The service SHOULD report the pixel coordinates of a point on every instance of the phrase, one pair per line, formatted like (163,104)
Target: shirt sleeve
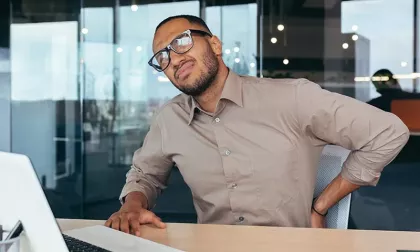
(373,136)
(150,168)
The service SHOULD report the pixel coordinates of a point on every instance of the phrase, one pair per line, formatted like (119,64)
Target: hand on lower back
(317,220)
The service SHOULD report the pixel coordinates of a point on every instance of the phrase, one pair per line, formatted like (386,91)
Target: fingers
(131,223)
(135,227)
(145,218)
(159,223)
(112,221)
(153,219)
(116,223)
(124,226)
(108,222)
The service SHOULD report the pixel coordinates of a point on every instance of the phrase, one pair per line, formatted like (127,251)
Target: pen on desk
(16,231)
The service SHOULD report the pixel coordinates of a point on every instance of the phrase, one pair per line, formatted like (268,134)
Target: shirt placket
(228,164)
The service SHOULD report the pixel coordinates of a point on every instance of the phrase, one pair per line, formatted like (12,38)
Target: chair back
(330,166)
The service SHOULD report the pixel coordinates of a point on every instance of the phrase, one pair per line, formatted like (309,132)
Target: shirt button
(227,152)
(241,219)
(234,186)
(217,119)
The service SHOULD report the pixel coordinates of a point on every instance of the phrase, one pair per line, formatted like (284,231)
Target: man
(248,148)
(390,90)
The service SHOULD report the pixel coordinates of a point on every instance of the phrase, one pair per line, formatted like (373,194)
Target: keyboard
(76,245)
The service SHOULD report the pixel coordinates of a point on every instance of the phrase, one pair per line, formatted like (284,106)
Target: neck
(209,99)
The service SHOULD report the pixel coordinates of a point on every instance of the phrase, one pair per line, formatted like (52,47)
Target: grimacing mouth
(185,62)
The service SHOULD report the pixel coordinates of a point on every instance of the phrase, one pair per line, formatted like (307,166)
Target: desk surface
(194,237)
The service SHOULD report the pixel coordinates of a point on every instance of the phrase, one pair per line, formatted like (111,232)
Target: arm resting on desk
(150,169)
(145,181)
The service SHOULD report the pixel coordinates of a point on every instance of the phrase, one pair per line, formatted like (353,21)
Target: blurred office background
(77,95)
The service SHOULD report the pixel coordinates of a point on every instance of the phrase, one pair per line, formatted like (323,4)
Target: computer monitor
(22,199)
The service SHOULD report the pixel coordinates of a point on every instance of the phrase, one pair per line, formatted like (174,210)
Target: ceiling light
(119,49)
(355,27)
(345,46)
(85,30)
(138,48)
(280,27)
(252,65)
(404,63)
(273,40)
(285,61)
(361,78)
(237,60)
(236,49)
(355,37)
(134,7)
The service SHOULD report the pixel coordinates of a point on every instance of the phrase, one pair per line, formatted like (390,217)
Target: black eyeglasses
(181,44)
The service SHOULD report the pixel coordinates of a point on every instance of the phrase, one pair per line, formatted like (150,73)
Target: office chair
(329,167)
(407,111)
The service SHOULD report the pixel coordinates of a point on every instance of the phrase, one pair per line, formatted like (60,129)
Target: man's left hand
(317,221)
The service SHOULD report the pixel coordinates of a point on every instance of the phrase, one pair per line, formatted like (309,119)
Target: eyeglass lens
(180,44)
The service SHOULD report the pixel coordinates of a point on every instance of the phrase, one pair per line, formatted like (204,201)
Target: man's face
(192,72)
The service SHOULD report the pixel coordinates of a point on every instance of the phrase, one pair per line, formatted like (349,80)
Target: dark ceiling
(62,10)
(311,8)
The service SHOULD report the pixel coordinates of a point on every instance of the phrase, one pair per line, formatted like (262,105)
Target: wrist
(136,198)
(319,207)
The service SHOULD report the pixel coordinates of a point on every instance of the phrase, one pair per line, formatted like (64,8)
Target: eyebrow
(170,41)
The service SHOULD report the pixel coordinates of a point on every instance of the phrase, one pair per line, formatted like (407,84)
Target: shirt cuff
(135,186)
(359,175)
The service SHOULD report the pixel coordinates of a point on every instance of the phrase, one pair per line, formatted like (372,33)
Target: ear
(216,45)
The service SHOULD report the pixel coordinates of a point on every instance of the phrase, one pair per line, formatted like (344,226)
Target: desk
(203,238)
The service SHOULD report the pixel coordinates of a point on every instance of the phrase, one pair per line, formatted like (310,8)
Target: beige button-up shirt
(255,160)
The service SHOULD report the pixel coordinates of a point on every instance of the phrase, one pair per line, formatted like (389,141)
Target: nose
(176,59)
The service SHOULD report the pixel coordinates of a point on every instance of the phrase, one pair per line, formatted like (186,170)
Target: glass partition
(45,105)
(239,42)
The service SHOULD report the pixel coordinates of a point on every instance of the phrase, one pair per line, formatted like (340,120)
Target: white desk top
(203,238)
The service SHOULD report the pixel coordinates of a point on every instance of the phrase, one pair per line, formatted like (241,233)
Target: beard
(206,78)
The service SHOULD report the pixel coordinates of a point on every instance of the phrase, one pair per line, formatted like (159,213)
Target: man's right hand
(129,218)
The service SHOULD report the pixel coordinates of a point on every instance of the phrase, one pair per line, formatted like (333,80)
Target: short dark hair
(383,72)
(192,19)
(384,84)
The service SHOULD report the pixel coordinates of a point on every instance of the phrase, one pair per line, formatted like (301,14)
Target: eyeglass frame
(169,48)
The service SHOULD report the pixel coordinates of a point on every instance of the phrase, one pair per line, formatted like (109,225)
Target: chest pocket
(270,147)
(198,159)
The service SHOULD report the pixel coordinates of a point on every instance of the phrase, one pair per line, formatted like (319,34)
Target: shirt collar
(193,107)
(232,91)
